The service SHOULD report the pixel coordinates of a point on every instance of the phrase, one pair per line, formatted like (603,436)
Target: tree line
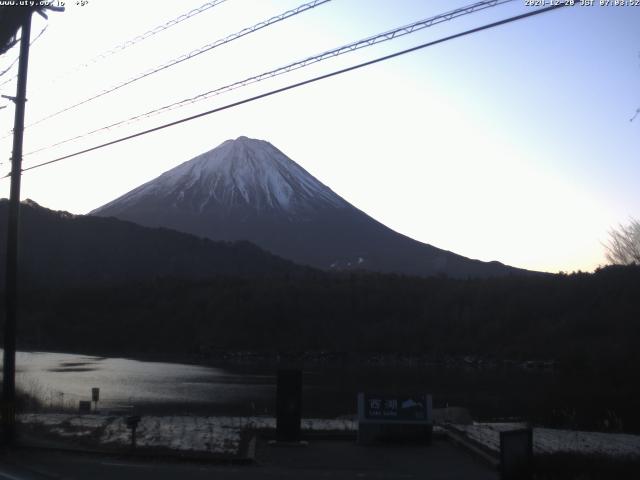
(582,320)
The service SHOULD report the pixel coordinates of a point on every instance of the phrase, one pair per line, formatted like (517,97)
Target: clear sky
(512,144)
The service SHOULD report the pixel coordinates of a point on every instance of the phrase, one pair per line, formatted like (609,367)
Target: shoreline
(239,358)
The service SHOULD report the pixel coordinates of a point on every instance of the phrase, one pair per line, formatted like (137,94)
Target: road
(335,460)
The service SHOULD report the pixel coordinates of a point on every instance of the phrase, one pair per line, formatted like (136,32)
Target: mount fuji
(247,189)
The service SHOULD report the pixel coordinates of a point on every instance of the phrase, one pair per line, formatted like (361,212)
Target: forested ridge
(93,284)
(581,320)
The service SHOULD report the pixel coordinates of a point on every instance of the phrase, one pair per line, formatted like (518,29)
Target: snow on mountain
(241,171)
(247,189)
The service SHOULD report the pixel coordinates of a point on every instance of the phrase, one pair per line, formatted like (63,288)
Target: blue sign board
(395,408)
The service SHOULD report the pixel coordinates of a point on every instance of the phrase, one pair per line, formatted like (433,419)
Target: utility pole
(11,279)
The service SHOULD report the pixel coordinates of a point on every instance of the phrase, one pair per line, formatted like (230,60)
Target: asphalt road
(335,460)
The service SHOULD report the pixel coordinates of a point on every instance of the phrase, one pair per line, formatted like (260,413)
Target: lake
(64,379)
(159,387)
(175,388)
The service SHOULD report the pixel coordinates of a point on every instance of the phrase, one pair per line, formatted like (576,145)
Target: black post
(132,423)
(133,436)
(289,405)
(11,287)
(516,454)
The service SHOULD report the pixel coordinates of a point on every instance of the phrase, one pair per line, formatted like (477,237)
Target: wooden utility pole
(11,279)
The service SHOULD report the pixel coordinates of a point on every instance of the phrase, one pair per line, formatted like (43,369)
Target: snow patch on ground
(552,441)
(216,435)
(196,434)
(223,435)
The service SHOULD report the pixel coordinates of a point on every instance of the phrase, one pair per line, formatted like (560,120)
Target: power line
(15,60)
(139,38)
(300,84)
(18,57)
(9,45)
(366,42)
(234,36)
(154,31)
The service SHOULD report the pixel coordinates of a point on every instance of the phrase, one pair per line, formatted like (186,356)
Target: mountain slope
(247,189)
(58,248)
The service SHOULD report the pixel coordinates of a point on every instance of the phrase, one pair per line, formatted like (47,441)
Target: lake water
(64,379)
(174,388)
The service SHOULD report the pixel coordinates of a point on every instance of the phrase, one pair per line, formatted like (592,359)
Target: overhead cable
(300,84)
(139,38)
(189,56)
(15,60)
(366,42)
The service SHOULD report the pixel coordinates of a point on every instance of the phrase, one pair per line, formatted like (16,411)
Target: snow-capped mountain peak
(243,171)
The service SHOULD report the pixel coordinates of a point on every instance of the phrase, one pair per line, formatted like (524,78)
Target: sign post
(132,424)
(95,396)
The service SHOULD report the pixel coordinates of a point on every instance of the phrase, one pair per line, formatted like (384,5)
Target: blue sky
(512,144)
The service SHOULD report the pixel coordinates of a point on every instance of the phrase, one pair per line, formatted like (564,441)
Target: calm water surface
(63,378)
(174,388)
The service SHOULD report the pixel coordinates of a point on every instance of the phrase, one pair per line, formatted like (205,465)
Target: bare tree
(623,247)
